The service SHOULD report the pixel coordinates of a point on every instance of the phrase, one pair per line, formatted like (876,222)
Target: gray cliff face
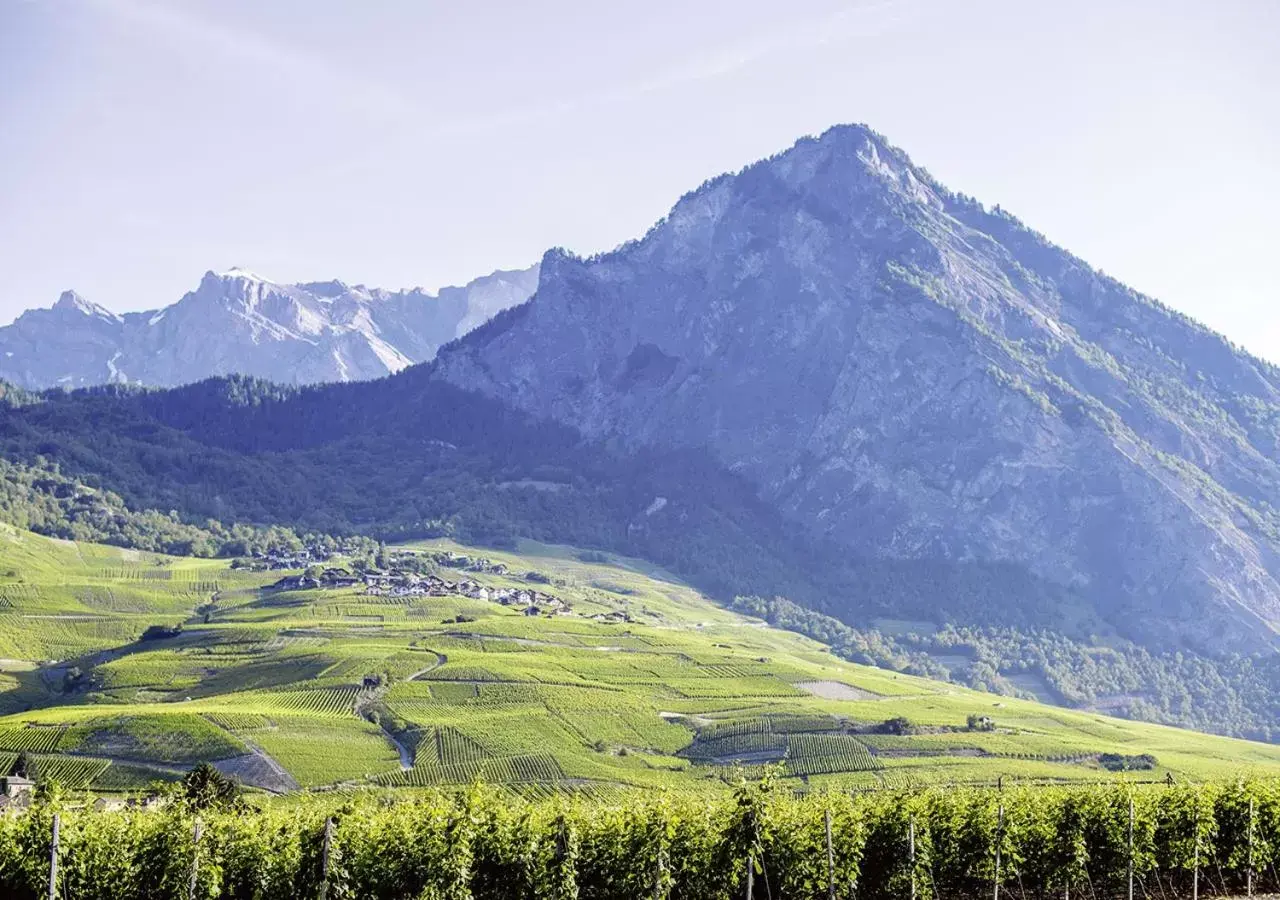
(239,322)
(919,378)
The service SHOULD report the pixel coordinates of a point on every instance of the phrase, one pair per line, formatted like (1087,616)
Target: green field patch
(133,777)
(32,738)
(73,772)
(443,745)
(324,752)
(169,669)
(239,721)
(167,738)
(820,754)
(265,672)
(461,692)
(451,672)
(1025,745)
(540,768)
(693,688)
(329,703)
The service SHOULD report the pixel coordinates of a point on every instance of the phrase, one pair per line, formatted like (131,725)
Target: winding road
(368,700)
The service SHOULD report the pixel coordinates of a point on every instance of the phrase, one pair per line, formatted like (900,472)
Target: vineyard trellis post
(751,874)
(326,849)
(1249,870)
(53,858)
(195,859)
(999,840)
(911,848)
(1131,845)
(831,859)
(1195,871)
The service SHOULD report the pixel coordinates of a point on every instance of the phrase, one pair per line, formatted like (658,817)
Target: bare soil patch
(836,690)
(258,770)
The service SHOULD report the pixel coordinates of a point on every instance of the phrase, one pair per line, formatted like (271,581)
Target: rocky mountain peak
(331,289)
(239,274)
(72,302)
(918,379)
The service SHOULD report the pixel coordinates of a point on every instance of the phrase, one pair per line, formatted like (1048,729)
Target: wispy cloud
(185,29)
(858,20)
(404,114)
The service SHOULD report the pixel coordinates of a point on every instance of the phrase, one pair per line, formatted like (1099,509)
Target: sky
(143,142)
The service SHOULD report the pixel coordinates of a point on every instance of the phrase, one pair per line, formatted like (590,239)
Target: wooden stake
(325,851)
(831,860)
(911,841)
(195,860)
(751,876)
(53,858)
(1130,847)
(1249,874)
(1195,875)
(999,840)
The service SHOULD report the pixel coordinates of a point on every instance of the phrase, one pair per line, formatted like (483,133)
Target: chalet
(337,577)
(15,786)
(329,578)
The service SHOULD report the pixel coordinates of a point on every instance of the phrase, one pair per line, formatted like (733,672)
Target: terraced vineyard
(641,682)
(31,738)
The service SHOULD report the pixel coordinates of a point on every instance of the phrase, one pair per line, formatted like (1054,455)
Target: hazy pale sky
(424,143)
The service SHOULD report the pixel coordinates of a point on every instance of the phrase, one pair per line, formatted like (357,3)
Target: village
(409,573)
(410,584)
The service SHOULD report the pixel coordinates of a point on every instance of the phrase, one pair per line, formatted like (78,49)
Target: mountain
(901,371)
(825,389)
(237,321)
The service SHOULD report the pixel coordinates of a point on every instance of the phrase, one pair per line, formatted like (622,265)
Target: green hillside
(627,677)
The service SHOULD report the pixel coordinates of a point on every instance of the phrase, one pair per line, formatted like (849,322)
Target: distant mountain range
(239,322)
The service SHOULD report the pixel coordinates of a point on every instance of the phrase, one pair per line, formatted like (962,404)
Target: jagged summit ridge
(906,372)
(70,301)
(240,321)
